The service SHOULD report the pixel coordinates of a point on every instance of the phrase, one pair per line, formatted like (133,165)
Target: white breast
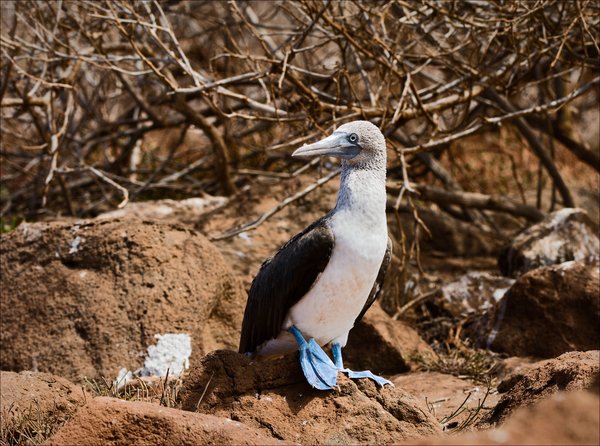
(329,309)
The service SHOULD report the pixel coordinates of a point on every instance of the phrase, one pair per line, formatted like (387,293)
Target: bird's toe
(379,380)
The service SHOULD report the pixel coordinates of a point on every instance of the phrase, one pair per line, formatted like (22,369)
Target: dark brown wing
(378,282)
(282,281)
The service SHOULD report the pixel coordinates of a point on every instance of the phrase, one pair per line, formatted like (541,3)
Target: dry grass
(452,423)
(31,426)
(163,391)
(463,362)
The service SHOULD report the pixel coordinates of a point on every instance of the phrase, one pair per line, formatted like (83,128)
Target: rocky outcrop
(571,371)
(274,397)
(89,298)
(564,235)
(110,421)
(35,404)
(548,311)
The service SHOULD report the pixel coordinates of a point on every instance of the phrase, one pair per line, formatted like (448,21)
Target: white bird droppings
(172,352)
(75,245)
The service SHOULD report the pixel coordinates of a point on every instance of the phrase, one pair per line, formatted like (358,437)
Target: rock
(564,418)
(508,371)
(274,397)
(382,344)
(564,235)
(473,293)
(35,404)
(548,311)
(110,421)
(444,394)
(186,211)
(570,371)
(89,298)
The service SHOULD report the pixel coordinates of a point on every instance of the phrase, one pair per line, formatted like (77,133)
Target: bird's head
(357,142)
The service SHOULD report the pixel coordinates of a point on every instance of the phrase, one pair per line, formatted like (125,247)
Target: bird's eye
(353,138)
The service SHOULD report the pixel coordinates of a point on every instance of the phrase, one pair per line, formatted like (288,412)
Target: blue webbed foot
(336,349)
(380,380)
(318,369)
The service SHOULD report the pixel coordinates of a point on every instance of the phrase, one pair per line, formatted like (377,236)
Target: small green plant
(7,224)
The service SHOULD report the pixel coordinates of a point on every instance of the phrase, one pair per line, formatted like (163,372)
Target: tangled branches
(103,101)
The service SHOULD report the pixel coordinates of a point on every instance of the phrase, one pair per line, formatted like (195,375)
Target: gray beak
(336,145)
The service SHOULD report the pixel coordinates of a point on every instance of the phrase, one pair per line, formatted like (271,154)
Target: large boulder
(88,298)
(548,311)
(570,371)
(274,397)
(564,235)
(110,421)
(33,405)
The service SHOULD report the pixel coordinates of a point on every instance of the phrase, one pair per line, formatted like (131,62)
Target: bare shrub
(235,86)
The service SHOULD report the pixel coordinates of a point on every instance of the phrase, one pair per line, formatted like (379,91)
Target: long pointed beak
(336,145)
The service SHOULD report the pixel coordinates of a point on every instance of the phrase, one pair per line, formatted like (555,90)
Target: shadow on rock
(383,345)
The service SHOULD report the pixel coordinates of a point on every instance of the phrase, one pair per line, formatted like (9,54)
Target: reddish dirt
(562,419)
(110,421)
(444,394)
(88,298)
(510,370)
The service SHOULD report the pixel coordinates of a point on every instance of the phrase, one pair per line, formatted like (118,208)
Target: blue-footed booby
(323,280)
